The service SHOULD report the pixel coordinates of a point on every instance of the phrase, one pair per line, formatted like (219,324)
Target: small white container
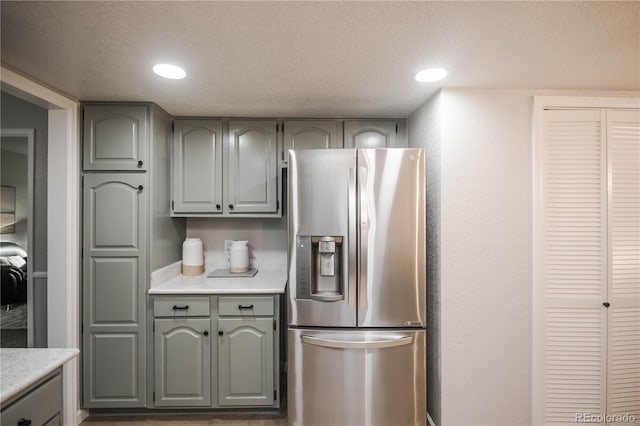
(192,257)
(237,253)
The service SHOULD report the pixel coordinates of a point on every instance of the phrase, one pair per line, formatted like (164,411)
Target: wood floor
(227,420)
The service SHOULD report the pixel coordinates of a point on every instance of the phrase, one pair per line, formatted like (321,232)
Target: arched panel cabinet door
(115,137)
(311,134)
(114,265)
(245,361)
(374,134)
(182,362)
(251,164)
(197,166)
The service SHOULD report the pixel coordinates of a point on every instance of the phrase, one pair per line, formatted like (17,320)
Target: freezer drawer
(356,377)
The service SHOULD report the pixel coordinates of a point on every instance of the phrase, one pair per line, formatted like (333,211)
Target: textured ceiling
(313,59)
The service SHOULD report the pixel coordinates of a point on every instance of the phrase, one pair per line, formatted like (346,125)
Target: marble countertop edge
(21,368)
(264,282)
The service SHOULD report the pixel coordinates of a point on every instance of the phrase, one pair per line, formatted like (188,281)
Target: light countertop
(20,368)
(264,282)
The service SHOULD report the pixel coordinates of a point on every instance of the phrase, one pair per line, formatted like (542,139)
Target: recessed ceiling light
(431,74)
(169,71)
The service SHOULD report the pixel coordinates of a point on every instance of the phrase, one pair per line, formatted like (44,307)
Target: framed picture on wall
(8,210)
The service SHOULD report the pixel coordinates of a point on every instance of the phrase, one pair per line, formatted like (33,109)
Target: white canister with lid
(192,257)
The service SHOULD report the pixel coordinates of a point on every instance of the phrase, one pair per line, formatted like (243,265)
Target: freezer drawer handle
(327,298)
(347,344)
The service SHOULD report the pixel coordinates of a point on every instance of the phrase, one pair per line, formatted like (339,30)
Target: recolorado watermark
(602,418)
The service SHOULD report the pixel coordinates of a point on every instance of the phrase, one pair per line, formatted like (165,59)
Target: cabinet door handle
(24,422)
(206,333)
(220,333)
(180,308)
(606,304)
(218,206)
(140,163)
(245,306)
(140,188)
(230,206)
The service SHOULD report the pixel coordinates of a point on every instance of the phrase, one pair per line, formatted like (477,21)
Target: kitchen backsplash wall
(267,240)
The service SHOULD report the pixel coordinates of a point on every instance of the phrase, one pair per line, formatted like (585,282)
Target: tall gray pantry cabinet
(127,232)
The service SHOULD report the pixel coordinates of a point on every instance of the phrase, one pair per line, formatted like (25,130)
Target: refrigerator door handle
(364,235)
(351,247)
(358,344)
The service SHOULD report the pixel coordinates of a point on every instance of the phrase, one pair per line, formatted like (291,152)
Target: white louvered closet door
(571,266)
(623,372)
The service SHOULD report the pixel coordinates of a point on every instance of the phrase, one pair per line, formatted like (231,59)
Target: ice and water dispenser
(319,268)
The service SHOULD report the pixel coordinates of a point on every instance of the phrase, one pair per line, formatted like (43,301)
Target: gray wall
(18,114)
(14,173)
(425,131)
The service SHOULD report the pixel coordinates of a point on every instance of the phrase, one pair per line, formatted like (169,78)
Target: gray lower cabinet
(311,134)
(247,343)
(182,362)
(245,361)
(375,133)
(41,405)
(216,351)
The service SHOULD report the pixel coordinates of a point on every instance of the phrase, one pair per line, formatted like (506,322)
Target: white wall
(486,277)
(267,240)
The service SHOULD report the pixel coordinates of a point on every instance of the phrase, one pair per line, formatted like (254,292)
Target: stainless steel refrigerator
(356,290)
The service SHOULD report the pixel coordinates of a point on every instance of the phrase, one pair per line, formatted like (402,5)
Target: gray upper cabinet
(114,263)
(115,137)
(311,134)
(183,362)
(251,167)
(197,166)
(374,134)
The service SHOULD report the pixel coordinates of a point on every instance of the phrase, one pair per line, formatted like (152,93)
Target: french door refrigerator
(356,289)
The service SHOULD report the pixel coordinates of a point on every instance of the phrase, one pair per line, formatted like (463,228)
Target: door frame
(63,225)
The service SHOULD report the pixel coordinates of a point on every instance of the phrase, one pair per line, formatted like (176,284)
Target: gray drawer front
(245,305)
(181,307)
(40,405)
